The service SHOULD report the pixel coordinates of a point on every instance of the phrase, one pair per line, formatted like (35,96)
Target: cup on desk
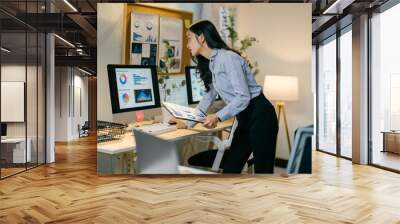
(139,115)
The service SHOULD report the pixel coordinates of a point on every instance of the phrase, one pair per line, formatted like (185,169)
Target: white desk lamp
(282,89)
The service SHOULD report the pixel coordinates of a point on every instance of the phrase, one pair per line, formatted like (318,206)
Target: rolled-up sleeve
(233,68)
(204,104)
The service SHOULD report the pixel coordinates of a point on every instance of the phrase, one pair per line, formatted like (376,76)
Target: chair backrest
(231,134)
(155,155)
(301,149)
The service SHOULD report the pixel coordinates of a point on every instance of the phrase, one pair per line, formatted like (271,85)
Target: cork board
(186,17)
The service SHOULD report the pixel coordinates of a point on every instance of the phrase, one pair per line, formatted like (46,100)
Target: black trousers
(256,133)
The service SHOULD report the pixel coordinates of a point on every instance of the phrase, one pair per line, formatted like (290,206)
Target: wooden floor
(8,171)
(5,172)
(69,191)
(386,159)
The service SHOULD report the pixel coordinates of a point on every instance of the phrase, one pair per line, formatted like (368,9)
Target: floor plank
(386,159)
(70,191)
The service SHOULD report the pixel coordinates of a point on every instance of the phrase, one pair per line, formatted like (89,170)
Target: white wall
(195,8)
(69,82)
(109,51)
(283,49)
(17,73)
(82,82)
(80,103)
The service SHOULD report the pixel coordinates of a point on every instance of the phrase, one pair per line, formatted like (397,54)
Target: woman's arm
(204,104)
(234,69)
(207,100)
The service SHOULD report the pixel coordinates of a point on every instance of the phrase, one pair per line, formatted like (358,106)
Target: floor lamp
(282,89)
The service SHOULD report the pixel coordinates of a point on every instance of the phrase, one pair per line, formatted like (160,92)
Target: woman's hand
(211,121)
(179,123)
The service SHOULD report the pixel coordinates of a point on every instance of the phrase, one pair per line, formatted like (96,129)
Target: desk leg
(188,150)
(384,143)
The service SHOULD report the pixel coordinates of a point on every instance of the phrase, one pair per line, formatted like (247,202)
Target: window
(327,95)
(22,69)
(385,86)
(335,74)
(346,93)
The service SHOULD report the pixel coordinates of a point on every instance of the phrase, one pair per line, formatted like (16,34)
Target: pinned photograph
(144,37)
(170,54)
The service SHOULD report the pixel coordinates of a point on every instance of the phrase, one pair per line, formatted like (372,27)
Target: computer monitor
(194,85)
(133,87)
(3,129)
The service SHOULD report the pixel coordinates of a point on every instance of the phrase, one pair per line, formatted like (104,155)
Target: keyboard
(157,128)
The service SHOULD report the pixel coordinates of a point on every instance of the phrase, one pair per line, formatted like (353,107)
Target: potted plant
(245,43)
(168,90)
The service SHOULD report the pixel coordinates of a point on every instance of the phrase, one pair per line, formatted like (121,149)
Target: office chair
(83,130)
(214,158)
(159,156)
(300,155)
(300,158)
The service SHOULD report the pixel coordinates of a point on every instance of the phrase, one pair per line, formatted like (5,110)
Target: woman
(226,73)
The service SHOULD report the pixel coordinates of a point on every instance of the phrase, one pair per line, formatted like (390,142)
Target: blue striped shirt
(233,81)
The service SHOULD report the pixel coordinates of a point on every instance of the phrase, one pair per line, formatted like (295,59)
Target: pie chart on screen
(123,79)
(125,97)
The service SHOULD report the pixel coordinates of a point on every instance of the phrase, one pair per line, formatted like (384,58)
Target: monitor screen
(133,87)
(195,85)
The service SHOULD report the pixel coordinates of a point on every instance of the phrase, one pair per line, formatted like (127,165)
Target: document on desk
(182,112)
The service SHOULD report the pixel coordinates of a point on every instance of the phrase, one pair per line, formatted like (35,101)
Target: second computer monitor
(195,85)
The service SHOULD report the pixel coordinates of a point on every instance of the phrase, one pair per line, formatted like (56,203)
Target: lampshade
(281,88)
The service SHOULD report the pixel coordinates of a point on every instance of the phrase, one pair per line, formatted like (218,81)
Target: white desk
(18,151)
(115,153)
(127,143)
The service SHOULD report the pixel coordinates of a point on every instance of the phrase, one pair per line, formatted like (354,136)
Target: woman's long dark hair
(213,40)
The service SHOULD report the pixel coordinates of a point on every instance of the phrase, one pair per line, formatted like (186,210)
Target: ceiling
(76,23)
(77,26)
